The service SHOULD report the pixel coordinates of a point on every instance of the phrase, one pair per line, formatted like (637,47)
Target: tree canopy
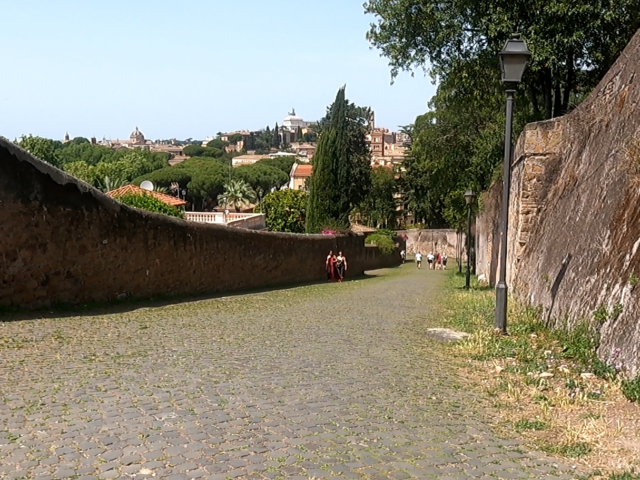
(573,42)
(458,144)
(285,210)
(341,175)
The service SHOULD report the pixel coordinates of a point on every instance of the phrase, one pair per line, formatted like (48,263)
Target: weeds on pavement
(549,385)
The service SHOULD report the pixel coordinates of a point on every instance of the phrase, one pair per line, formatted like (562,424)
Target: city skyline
(191,72)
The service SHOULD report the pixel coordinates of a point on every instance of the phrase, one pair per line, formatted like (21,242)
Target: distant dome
(136,133)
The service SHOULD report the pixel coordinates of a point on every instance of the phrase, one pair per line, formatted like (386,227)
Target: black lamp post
(513,61)
(469,197)
(260,193)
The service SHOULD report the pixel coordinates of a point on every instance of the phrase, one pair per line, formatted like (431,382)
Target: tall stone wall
(435,240)
(65,242)
(574,230)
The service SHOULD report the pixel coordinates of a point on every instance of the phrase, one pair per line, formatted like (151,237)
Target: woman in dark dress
(341,266)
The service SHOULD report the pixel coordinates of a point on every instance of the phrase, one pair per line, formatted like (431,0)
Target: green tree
(341,175)
(275,142)
(194,150)
(236,194)
(108,184)
(217,143)
(263,176)
(148,202)
(573,42)
(378,209)
(42,148)
(285,210)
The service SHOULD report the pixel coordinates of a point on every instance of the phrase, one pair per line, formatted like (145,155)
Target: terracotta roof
(303,171)
(168,199)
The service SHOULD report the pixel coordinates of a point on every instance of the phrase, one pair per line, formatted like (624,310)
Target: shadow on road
(131,304)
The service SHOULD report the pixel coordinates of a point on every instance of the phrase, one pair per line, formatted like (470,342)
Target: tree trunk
(548,100)
(533,93)
(557,99)
(569,85)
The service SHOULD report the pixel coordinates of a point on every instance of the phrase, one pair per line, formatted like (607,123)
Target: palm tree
(108,184)
(236,194)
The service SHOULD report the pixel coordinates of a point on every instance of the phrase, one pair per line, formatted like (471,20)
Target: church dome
(136,133)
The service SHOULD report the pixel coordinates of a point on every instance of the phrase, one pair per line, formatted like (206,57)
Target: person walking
(341,266)
(419,260)
(444,262)
(430,259)
(329,266)
(403,256)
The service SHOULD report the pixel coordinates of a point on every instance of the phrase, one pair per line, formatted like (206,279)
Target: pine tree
(340,169)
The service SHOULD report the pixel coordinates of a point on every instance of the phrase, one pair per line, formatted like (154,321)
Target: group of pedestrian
(336,266)
(437,261)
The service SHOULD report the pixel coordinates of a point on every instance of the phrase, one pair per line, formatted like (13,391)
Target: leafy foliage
(285,210)
(382,240)
(236,194)
(42,148)
(261,176)
(148,202)
(459,143)
(378,209)
(341,176)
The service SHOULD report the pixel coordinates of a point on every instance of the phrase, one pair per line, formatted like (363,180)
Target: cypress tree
(275,143)
(331,189)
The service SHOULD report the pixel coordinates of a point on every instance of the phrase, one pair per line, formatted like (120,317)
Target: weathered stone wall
(65,242)
(575,223)
(435,240)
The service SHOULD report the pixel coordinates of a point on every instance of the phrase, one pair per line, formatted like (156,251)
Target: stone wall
(574,234)
(434,240)
(65,242)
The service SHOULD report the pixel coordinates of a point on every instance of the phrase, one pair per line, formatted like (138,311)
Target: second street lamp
(469,197)
(513,61)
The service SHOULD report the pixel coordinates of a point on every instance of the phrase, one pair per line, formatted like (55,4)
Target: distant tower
(66,138)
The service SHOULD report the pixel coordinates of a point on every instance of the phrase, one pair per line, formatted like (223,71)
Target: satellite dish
(146,185)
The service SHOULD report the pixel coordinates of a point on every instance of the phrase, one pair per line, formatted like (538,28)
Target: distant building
(136,138)
(299,176)
(246,160)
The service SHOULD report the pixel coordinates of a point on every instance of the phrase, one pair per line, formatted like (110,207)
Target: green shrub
(631,389)
(148,202)
(382,241)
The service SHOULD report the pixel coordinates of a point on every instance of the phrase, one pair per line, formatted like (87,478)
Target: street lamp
(513,61)
(469,197)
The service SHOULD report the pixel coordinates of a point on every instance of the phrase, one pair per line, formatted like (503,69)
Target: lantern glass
(469,197)
(513,60)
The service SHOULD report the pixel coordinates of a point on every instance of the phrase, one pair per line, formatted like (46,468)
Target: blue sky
(189,68)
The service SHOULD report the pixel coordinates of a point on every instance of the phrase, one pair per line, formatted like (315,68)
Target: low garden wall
(65,242)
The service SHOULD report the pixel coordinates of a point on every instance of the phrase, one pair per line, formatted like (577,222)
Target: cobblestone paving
(323,381)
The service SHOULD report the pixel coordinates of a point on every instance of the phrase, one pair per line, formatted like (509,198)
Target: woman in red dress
(330,266)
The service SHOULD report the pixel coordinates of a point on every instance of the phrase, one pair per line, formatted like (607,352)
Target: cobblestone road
(313,382)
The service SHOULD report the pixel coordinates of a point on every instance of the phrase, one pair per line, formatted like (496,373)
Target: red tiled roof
(133,189)
(303,171)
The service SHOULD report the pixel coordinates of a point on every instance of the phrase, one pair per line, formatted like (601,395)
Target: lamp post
(513,61)
(469,197)
(260,193)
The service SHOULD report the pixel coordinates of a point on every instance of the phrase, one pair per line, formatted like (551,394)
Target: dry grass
(543,388)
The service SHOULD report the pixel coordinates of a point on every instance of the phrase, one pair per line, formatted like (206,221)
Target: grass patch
(552,388)
(526,424)
(571,450)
